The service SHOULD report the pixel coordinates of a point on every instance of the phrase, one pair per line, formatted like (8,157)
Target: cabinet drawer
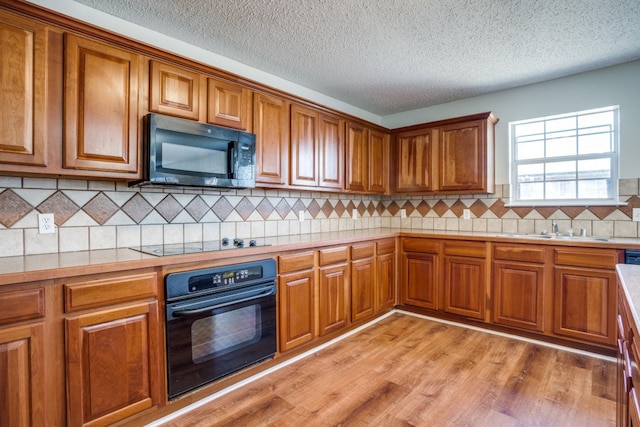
(526,253)
(386,246)
(295,262)
(594,258)
(332,255)
(420,245)
(472,249)
(16,306)
(108,291)
(362,250)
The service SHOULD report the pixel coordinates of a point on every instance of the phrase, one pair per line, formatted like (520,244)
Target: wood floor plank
(410,371)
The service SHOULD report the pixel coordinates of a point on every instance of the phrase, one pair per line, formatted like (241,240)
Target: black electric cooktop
(198,247)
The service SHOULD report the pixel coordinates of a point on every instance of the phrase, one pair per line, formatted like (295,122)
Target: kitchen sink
(558,237)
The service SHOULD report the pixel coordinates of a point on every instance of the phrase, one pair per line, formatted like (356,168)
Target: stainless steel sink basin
(557,237)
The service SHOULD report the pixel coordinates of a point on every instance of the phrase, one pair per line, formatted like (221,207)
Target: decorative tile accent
(12,208)
(197,208)
(100,208)
(264,208)
(169,208)
(327,209)
(283,208)
(440,208)
(602,211)
(137,208)
(245,208)
(393,208)
(60,205)
(339,208)
(313,208)
(298,206)
(222,208)
(457,208)
(478,208)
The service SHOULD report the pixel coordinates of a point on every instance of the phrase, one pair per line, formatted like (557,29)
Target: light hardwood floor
(411,371)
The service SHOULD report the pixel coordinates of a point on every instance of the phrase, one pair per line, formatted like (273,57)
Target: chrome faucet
(554,228)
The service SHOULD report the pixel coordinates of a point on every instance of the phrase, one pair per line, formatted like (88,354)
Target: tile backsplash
(103,215)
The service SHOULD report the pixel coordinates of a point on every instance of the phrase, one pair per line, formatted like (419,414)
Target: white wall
(618,85)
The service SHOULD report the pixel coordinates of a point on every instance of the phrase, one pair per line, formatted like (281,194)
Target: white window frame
(614,155)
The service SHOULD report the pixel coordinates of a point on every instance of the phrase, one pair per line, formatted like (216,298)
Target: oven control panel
(189,283)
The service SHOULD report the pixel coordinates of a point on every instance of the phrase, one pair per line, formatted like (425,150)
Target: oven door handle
(264,292)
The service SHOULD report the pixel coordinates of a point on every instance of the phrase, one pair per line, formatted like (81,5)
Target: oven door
(210,337)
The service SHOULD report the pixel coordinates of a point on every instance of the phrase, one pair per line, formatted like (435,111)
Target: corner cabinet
(112,328)
(101,108)
(449,156)
(367,164)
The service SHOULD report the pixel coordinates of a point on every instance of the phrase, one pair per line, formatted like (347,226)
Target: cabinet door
(414,162)
(362,288)
(304,146)
(464,286)
(113,368)
(22,376)
(357,157)
(271,126)
(421,278)
(518,295)
(101,107)
(463,158)
(296,304)
(174,91)
(333,298)
(585,304)
(331,152)
(23,62)
(229,105)
(378,162)
(385,281)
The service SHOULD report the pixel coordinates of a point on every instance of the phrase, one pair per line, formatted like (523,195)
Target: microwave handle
(232,158)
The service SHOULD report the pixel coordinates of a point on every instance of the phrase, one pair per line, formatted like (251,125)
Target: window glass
(566,159)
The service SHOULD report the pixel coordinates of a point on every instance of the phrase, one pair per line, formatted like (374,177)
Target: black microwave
(183,152)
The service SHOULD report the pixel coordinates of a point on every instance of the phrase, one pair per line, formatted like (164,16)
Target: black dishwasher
(632,256)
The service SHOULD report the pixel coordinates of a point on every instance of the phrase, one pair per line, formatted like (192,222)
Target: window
(569,159)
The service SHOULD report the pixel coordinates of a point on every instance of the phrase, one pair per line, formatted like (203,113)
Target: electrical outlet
(403,213)
(46,223)
(636,214)
(466,213)
(354,214)
(301,216)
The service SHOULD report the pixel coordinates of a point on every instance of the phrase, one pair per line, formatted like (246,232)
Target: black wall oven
(219,320)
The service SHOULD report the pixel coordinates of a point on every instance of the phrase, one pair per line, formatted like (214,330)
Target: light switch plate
(636,214)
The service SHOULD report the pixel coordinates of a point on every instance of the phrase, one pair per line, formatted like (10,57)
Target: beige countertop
(31,268)
(629,276)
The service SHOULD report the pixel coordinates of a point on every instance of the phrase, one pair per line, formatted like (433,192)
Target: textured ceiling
(390,56)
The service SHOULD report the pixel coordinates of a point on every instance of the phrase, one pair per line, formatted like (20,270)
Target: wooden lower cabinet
(519,286)
(112,364)
(333,290)
(22,376)
(585,294)
(421,273)
(465,282)
(385,291)
(363,280)
(296,300)
(113,367)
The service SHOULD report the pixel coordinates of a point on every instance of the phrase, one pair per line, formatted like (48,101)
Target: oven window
(233,329)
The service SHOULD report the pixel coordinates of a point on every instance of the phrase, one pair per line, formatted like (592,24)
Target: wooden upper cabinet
(271,126)
(101,108)
(174,91)
(449,156)
(331,152)
(367,159)
(378,162)
(466,156)
(229,105)
(414,161)
(304,146)
(357,157)
(317,150)
(23,80)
